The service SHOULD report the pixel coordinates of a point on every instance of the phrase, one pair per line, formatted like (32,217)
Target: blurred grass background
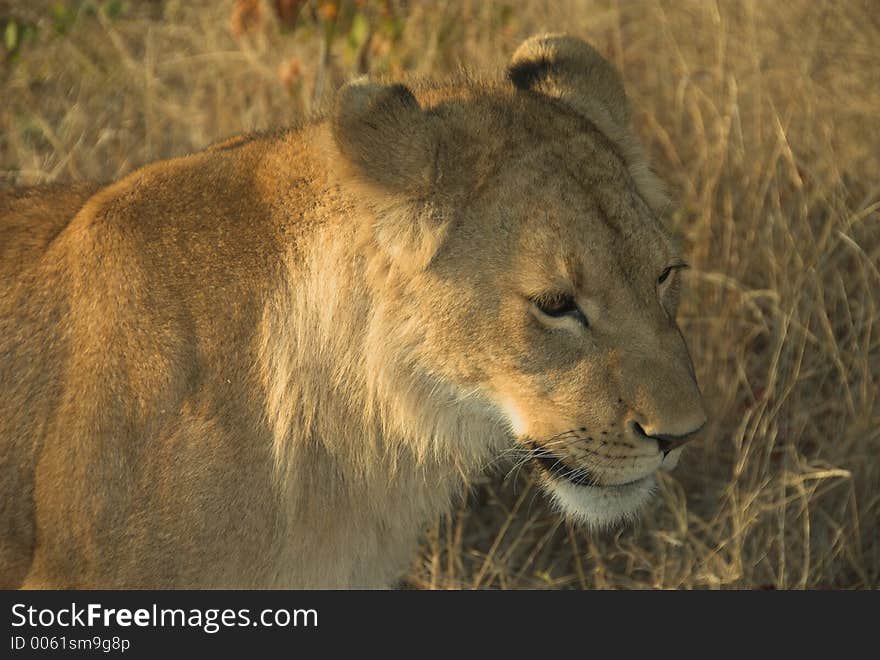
(763,118)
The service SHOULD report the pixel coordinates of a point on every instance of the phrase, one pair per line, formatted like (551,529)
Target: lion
(271,363)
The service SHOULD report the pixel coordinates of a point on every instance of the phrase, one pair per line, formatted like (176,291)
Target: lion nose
(669,441)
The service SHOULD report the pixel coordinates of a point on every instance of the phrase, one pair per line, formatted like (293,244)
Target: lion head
(520,223)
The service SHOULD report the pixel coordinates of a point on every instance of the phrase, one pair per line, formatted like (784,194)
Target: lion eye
(667,271)
(560,306)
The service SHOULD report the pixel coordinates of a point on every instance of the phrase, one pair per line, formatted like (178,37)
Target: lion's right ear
(390,149)
(572,71)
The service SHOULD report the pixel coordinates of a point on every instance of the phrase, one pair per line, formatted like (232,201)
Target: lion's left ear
(391,150)
(571,71)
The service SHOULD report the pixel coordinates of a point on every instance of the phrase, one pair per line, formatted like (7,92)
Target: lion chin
(599,507)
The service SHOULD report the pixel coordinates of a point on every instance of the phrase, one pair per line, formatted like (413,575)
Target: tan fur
(270,363)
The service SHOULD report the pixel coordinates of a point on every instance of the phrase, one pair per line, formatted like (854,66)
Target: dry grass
(763,116)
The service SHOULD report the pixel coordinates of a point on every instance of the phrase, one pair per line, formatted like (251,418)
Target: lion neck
(352,420)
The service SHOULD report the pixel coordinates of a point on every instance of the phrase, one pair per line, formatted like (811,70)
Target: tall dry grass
(762,116)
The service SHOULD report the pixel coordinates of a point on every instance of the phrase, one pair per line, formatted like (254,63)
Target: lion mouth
(554,468)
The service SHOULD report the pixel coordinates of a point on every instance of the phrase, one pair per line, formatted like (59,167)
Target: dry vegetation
(763,117)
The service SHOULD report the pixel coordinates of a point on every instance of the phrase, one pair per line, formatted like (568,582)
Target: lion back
(30,219)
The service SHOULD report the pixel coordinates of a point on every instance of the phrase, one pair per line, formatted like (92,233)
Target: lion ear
(389,148)
(573,72)
(569,69)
